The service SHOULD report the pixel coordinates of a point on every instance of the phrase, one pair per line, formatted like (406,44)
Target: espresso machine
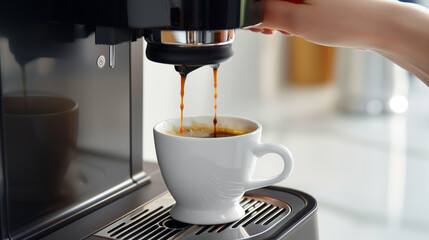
(71,113)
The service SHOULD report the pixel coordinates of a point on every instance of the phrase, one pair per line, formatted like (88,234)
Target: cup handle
(262,149)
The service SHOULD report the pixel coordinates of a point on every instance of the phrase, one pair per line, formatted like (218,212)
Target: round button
(101,61)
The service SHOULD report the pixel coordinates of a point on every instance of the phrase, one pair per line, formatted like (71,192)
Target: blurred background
(357,125)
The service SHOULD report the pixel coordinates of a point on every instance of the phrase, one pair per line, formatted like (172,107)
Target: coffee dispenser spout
(184,70)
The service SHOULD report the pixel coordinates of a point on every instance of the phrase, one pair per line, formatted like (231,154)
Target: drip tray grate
(153,221)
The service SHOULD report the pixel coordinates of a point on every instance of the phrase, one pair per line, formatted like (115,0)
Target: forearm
(403,37)
(399,31)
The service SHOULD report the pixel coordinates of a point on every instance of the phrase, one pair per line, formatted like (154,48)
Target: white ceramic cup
(208,176)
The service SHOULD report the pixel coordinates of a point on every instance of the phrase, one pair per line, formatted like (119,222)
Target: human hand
(348,23)
(394,29)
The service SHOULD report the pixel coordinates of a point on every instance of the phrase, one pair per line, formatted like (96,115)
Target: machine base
(270,213)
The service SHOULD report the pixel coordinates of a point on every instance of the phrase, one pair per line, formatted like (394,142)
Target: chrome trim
(192,38)
(112,56)
(136,110)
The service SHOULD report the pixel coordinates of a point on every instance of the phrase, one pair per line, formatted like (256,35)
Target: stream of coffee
(182,94)
(215,101)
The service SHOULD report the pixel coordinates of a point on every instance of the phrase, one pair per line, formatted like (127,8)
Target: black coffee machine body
(71,115)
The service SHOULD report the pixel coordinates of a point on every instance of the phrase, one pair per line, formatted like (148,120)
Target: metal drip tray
(265,216)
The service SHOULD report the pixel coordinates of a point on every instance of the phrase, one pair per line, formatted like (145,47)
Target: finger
(268,31)
(255,29)
(285,33)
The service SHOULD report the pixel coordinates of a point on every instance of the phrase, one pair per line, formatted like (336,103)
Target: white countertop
(369,174)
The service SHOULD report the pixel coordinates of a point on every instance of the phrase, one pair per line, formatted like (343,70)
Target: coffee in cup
(203,130)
